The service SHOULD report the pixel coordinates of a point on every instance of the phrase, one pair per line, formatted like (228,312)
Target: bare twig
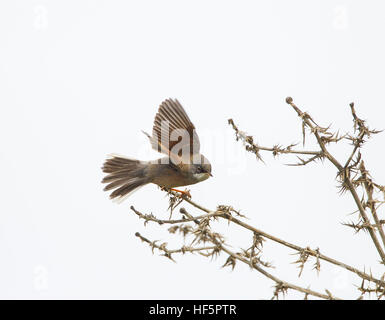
(219,245)
(314,253)
(258,235)
(323,137)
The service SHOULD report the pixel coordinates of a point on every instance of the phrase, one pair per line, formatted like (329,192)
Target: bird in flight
(174,135)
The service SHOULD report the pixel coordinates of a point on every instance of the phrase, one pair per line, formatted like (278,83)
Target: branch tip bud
(289,100)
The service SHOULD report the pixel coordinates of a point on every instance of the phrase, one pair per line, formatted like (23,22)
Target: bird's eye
(199,169)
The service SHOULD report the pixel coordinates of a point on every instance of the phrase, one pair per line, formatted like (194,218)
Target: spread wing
(173,132)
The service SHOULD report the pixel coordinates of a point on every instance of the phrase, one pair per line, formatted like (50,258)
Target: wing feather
(179,124)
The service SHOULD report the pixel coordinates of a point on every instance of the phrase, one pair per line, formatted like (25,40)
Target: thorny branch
(353,177)
(204,234)
(347,174)
(228,213)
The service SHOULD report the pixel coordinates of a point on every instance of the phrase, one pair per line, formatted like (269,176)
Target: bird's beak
(210,174)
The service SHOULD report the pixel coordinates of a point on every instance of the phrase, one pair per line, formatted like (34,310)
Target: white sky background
(81,79)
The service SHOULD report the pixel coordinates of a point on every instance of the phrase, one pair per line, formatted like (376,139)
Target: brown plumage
(174,135)
(172,113)
(124,174)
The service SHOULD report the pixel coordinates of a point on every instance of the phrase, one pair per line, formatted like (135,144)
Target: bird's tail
(124,175)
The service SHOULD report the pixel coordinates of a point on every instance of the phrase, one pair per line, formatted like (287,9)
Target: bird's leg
(186,192)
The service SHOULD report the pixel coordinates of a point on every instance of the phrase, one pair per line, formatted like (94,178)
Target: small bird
(174,135)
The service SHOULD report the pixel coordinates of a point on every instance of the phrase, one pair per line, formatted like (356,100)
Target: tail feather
(122,174)
(126,189)
(125,175)
(117,163)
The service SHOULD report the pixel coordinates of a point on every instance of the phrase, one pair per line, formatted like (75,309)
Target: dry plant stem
(324,153)
(305,118)
(371,201)
(356,147)
(341,169)
(279,283)
(311,252)
(317,153)
(159,221)
(169,252)
(276,149)
(366,220)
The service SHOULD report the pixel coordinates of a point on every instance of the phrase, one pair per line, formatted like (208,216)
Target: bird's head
(201,171)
